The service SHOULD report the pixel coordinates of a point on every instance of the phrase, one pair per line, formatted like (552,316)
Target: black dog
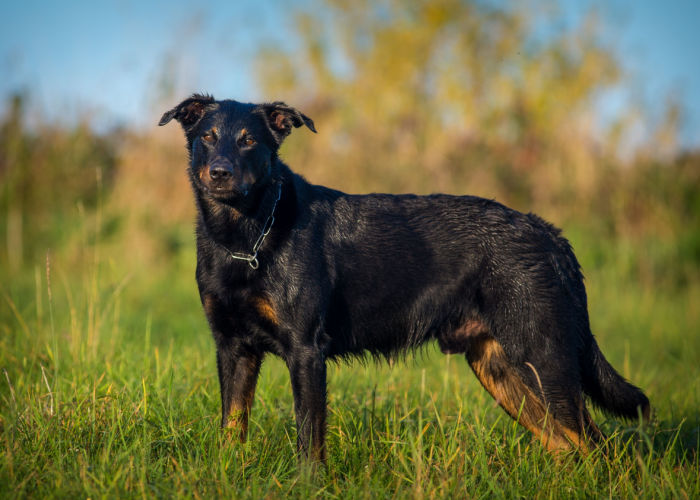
(309,274)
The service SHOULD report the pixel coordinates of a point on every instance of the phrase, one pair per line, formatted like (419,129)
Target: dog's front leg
(238,375)
(307,370)
(237,363)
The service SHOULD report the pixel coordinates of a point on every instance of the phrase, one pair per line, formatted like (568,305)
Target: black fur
(343,275)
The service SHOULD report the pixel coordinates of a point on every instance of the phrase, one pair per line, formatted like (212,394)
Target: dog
(312,274)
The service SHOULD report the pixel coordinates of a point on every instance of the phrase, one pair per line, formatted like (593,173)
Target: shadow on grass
(676,439)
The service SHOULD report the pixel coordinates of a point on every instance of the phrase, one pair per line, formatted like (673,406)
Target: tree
(449,95)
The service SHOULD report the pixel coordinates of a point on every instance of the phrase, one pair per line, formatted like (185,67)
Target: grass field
(108,385)
(109,390)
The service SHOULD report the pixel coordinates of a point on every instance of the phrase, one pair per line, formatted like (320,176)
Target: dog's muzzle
(220,177)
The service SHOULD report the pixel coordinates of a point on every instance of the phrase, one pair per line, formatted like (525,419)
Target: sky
(113,60)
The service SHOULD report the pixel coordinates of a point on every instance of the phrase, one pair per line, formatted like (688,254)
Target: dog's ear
(282,118)
(189,111)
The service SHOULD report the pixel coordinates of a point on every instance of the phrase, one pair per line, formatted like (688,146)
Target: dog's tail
(609,390)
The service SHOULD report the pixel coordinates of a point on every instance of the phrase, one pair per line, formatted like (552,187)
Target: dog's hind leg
(553,412)
(557,417)
(487,359)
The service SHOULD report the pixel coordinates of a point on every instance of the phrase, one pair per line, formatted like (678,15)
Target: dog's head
(233,146)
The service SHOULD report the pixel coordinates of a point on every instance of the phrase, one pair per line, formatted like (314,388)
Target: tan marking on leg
(239,411)
(459,340)
(236,416)
(238,421)
(488,361)
(318,449)
(209,302)
(474,328)
(264,308)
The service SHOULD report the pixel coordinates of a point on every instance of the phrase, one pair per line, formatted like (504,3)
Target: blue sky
(108,59)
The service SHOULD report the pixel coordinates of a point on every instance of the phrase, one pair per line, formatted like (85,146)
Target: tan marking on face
(204,174)
(263,306)
(243,132)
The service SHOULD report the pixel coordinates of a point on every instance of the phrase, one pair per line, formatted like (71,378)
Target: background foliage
(109,382)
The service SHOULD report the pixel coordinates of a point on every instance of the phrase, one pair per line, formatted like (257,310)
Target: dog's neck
(237,227)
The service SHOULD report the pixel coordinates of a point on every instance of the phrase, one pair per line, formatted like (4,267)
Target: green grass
(109,389)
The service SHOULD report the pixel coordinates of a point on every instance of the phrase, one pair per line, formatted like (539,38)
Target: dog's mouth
(221,185)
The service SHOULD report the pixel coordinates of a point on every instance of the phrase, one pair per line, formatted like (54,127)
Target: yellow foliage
(444,95)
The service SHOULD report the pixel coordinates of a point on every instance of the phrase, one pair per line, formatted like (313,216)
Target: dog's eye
(208,137)
(248,141)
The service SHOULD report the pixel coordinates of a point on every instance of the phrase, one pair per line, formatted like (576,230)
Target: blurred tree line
(46,175)
(412,95)
(453,95)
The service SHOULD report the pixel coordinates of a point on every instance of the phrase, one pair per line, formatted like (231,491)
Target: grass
(108,383)
(108,389)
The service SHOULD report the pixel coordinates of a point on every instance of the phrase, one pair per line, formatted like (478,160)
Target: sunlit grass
(108,382)
(103,399)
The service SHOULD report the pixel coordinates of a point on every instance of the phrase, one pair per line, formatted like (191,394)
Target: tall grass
(108,386)
(95,405)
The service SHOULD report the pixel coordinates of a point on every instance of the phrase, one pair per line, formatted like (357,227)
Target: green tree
(445,95)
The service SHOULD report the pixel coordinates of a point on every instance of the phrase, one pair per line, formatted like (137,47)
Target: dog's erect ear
(282,118)
(189,111)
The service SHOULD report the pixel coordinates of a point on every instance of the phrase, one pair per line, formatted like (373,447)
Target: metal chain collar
(252,258)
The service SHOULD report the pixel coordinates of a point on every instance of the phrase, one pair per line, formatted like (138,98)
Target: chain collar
(252,258)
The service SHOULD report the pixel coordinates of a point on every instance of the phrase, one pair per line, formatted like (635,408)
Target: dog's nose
(220,170)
